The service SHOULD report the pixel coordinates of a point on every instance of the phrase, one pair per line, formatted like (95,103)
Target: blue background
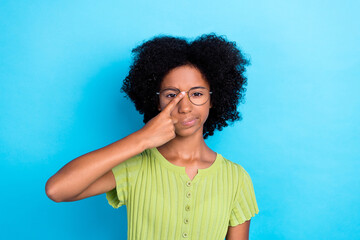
(61,68)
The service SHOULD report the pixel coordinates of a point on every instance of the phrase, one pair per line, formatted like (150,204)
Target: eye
(197,94)
(171,95)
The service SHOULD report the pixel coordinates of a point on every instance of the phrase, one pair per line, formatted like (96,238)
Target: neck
(189,148)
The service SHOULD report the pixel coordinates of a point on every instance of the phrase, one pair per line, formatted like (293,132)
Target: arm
(90,174)
(239,232)
(92,171)
(101,185)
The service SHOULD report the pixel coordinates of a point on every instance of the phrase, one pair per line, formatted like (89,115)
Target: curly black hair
(221,63)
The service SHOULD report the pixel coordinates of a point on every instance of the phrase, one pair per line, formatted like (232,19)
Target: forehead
(184,78)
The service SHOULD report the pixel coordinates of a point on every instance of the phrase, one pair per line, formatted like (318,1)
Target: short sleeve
(244,206)
(125,175)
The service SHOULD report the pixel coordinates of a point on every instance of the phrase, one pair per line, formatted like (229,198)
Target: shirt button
(185,235)
(188,183)
(188,194)
(186,221)
(187,208)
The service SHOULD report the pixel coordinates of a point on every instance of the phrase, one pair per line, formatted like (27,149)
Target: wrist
(141,140)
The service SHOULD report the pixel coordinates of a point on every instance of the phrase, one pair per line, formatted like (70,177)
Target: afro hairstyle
(220,62)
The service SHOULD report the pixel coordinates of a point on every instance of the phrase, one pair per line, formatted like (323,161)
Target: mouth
(188,122)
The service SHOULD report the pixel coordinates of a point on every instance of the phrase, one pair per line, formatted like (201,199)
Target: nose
(185,105)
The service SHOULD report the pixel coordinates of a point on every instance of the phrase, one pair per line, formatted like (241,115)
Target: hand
(160,129)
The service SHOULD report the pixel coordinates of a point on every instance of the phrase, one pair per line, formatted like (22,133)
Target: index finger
(171,105)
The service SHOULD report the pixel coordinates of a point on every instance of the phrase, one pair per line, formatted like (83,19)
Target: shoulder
(130,166)
(233,166)
(236,170)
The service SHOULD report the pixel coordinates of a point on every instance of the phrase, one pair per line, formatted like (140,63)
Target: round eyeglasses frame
(187,93)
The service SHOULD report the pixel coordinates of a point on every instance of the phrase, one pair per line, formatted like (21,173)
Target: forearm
(81,172)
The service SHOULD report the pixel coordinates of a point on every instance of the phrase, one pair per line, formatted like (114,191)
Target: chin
(186,132)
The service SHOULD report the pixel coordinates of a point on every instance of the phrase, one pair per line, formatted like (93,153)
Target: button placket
(188,209)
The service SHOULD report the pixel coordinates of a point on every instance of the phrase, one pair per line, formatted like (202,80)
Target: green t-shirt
(163,203)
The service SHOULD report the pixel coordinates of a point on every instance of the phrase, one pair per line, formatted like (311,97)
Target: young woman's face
(191,117)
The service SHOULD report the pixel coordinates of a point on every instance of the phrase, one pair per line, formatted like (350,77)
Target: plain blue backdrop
(61,68)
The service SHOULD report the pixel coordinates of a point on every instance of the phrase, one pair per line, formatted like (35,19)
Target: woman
(174,185)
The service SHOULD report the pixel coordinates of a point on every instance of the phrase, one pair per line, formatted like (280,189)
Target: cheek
(205,115)
(162,106)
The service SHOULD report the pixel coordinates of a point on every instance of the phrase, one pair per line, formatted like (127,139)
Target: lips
(188,122)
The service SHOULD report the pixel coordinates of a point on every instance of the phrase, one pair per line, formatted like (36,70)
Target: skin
(90,174)
(239,232)
(188,148)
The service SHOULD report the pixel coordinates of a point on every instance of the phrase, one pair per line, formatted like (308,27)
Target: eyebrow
(174,88)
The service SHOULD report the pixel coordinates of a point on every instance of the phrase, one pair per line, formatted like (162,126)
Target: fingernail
(182,93)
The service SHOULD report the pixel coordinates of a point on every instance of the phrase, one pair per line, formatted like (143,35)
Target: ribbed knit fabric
(163,203)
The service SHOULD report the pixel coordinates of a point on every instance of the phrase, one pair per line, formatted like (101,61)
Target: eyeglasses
(197,95)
